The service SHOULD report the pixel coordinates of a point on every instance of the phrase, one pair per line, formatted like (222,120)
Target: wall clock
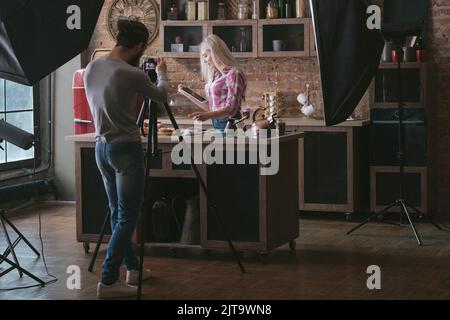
(145,11)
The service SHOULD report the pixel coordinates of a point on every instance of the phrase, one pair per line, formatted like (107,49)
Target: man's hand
(161,66)
(200,116)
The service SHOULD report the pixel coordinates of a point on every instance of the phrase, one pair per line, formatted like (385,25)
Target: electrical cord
(54,278)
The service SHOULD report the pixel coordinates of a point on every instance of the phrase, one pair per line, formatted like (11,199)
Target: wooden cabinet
(333,166)
(294,33)
(260,211)
(418,95)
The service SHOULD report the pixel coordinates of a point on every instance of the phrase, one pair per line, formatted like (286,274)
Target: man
(112,85)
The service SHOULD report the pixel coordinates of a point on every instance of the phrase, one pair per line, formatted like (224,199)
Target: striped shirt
(226,90)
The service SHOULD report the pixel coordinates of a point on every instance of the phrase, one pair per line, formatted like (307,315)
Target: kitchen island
(260,211)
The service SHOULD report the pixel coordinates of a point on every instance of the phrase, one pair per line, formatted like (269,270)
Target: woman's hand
(161,66)
(200,116)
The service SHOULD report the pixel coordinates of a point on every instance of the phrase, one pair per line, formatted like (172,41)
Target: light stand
(398,35)
(23,140)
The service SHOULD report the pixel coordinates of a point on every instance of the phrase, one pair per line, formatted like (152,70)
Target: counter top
(89,138)
(290,122)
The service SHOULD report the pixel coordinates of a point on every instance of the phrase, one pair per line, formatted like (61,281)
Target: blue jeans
(122,168)
(221,123)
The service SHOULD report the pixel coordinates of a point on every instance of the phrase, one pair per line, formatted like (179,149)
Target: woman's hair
(131,33)
(220,55)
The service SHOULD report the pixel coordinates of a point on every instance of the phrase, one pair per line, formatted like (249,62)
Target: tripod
(401,203)
(151,154)
(10,250)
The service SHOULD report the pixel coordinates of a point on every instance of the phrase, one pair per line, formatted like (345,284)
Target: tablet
(193,94)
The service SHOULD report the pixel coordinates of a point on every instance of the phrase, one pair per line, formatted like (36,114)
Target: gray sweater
(112,87)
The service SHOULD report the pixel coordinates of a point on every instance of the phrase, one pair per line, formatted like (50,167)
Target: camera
(149,67)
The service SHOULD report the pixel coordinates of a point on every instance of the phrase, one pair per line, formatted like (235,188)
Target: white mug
(278,45)
(308,110)
(301,98)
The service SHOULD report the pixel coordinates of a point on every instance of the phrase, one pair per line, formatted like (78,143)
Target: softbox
(348,52)
(39,36)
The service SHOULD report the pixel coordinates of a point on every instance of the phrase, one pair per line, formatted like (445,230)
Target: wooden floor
(327,264)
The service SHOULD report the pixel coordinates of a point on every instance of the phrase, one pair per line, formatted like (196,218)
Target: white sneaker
(115,290)
(133,276)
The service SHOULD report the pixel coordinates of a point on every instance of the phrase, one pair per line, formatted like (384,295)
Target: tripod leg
(8,251)
(205,191)
(99,242)
(405,209)
(424,214)
(22,237)
(10,246)
(22,270)
(152,152)
(374,215)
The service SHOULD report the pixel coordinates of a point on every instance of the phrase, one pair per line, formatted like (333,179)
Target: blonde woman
(225,84)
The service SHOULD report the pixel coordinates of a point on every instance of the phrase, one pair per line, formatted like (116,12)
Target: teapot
(263,123)
(232,122)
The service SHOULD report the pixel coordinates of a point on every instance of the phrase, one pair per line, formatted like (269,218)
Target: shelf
(294,34)
(384,93)
(191,33)
(403,65)
(230,32)
(262,32)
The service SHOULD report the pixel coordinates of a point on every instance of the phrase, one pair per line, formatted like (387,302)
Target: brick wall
(295,73)
(439,51)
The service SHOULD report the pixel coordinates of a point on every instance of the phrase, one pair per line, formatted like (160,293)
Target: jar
(190,10)
(272,10)
(300,8)
(242,10)
(173,13)
(221,11)
(201,10)
(254,9)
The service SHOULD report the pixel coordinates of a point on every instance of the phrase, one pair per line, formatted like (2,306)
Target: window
(17,107)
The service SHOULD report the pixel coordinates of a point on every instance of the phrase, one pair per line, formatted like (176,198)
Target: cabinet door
(235,192)
(93,198)
(324,172)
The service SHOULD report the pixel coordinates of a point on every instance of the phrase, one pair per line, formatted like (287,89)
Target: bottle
(221,11)
(272,10)
(255,9)
(201,10)
(281,10)
(190,10)
(243,10)
(173,13)
(243,40)
(287,9)
(300,9)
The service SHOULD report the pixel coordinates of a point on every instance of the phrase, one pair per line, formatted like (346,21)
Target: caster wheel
(86,247)
(349,216)
(174,252)
(292,245)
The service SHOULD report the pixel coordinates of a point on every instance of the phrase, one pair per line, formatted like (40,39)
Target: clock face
(145,11)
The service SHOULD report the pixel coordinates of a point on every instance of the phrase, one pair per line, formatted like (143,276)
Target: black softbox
(36,38)
(348,53)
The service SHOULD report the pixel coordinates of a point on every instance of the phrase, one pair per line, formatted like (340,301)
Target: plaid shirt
(226,90)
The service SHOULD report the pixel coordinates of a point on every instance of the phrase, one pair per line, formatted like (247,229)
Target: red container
(82,116)
(420,55)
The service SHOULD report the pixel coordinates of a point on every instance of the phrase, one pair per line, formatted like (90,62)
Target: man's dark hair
(131,33)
